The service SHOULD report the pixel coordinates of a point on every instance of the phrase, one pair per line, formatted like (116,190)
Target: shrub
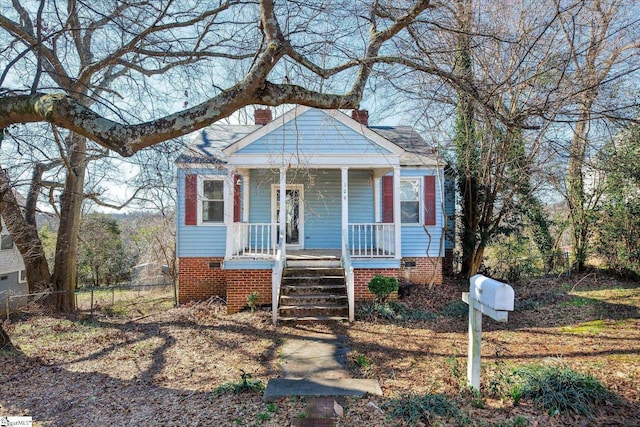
(560,389)
(394,311)
(252,300)
(413,408)
(382,286)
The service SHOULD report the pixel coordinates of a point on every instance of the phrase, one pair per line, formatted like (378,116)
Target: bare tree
(602,49)
(87,61)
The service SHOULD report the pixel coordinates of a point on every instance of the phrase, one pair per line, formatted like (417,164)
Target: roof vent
(361,116)
(262,116)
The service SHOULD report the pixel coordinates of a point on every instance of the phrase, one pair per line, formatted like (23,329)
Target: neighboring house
(13,278)
(367,199)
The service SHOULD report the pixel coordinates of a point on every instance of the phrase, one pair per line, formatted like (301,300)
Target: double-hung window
(6,242)
(212,200)
(410,200)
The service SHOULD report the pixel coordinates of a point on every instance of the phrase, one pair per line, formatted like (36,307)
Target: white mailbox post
(490,297)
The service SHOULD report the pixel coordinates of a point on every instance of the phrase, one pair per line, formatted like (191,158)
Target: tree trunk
(25,236)
(64,273)
(576,197)
(5,340)
(467,156)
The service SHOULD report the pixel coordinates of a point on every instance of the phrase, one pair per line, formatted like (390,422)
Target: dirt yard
(150,364)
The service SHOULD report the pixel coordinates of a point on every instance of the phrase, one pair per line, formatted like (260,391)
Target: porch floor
(314,254)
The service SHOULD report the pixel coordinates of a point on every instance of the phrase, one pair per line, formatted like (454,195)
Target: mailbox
(491,293)
(490,297)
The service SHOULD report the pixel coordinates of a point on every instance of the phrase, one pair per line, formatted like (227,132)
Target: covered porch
(324,212)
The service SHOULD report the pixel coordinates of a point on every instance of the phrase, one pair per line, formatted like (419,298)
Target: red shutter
(387,199)
(430,200)
(236,198)
(191,199)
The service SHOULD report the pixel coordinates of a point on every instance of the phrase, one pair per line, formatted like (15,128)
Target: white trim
(219,166)
(245,198)
(274,201)
(420,180)
(344,196)
(377,215)
(299,110)
(333,161)
(200,198)
(396,212)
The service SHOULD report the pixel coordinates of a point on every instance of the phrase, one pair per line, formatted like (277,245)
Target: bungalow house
(312,202)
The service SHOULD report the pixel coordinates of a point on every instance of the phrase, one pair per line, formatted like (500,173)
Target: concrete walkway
(315,365)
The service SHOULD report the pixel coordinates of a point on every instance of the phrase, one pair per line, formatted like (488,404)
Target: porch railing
(254,240)
(348,276)
(372,240)
(276,279)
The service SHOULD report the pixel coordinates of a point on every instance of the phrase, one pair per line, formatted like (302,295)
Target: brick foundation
(361,278)
(421,270)
(200,278)
(241,283)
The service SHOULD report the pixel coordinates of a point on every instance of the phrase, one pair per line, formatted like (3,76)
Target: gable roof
(215,143)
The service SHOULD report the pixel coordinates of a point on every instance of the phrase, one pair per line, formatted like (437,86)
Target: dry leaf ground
(157,365)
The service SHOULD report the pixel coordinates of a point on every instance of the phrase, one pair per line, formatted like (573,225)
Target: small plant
(252,300)
(245,384)
(413,408)
(395,312)
(560,390)
(456,368)
(456,309)
(362,361)
(382,286)
(271,407)
(263,416)
(518,421)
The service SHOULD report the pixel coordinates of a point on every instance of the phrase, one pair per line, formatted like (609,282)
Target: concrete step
(303,298)
(312,318)
(285,387)
(312,288)
(313,310)
(313,272)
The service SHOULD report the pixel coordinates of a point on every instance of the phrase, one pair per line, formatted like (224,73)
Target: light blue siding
(193,240)
(313,132)
(416,242)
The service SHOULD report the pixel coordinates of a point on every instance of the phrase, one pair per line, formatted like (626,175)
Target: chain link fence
(107,300)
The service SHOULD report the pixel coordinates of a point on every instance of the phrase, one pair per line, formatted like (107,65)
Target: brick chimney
(361,116)
(262,116)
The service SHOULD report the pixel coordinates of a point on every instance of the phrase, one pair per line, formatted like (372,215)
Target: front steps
(313,293)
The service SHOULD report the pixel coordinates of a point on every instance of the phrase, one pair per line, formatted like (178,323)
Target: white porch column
(228,212)
(397,215)
(345,202)
(282,218)
(377,217)
(245,198)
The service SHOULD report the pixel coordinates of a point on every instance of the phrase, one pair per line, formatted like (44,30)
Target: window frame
(3,237)
(420,188)
(22,276)
(201,199)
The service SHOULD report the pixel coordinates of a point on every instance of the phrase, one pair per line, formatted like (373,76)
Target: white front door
(294,216)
